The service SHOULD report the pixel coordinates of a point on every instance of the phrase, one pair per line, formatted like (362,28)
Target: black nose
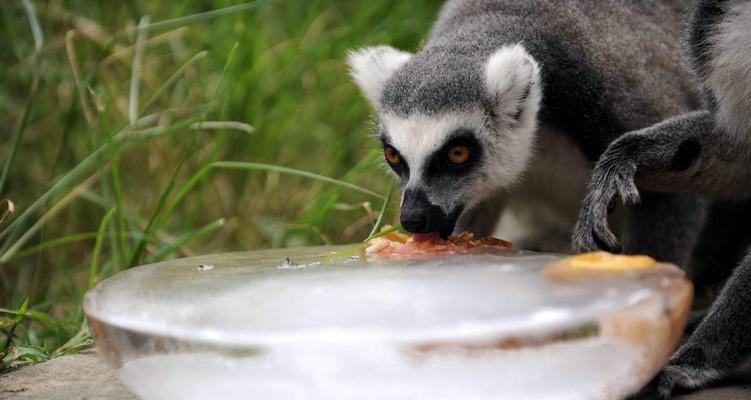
(418,215)
(415,222)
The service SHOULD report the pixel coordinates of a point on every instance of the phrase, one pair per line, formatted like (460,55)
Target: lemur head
(455,127)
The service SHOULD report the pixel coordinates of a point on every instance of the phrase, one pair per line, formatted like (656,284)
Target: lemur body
(473,118)
(707,153)
(530,219)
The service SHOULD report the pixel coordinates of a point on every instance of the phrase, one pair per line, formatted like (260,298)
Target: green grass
(140,131)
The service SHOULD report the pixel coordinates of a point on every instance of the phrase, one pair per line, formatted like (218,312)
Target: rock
(77,376)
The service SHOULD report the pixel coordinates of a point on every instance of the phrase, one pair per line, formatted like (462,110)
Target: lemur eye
(459,154)
(392,156)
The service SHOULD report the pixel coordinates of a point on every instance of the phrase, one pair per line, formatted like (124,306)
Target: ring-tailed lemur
(708,153)
(459,119)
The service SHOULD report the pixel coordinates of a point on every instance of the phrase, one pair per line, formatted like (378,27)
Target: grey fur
(607,67)
(706,153)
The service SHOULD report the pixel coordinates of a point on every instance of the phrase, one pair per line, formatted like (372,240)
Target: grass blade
(190,237)
(80,341)
(386,202)
(36,27)
(217,125)
(6,209)
(113,153)
(17,134)
(225,69)
(172,79)
(140,248)
(46,320)
(17,244)
(250,166)
(20,315)
(79,237)
(36,32)
(292,171)
(94,269)
(83,95)
(156,220)
(200,17)
(129,139)
(385,232)
(135,77)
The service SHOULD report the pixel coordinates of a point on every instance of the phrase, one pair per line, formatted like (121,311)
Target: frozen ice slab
(257,326)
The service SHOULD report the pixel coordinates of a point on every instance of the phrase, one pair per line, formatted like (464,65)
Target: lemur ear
(513,81)
(371,67)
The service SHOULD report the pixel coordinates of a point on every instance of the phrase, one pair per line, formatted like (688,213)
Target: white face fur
(505,139)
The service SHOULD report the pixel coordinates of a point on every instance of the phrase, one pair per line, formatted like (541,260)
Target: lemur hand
(613,175)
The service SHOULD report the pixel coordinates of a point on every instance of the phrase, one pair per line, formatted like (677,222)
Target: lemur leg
(483,218)
(721,247)
(682,154)
(720,344)
(665,226)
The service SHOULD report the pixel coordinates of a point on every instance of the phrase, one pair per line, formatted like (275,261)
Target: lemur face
(454,131)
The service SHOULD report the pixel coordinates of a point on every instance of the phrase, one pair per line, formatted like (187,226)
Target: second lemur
(707,153)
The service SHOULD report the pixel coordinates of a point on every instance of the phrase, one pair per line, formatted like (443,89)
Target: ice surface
(473,296)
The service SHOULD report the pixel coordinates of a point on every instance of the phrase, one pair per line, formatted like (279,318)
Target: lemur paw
(688,369)
(612,176)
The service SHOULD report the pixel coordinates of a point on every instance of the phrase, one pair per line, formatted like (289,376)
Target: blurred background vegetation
(137,131)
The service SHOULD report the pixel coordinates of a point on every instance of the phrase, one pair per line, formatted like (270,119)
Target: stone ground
(84,376)
(75,377)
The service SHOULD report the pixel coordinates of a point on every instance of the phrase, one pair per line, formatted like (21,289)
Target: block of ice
(472,326)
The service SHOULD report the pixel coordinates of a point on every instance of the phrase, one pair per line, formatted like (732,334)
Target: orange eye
(459,155)
(391,156)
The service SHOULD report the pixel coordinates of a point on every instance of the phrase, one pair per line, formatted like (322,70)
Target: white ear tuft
(513,81)
(371,67)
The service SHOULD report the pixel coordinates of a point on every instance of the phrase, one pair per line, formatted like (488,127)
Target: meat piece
(399,246)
